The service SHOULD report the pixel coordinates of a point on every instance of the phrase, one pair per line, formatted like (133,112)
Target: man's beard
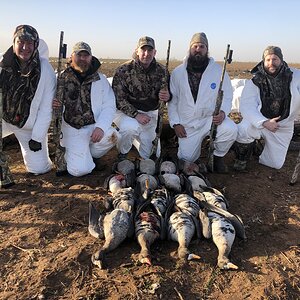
(81,67)
(277,70)
(197,63)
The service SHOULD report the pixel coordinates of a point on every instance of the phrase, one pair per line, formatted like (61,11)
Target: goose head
(124,167)
(116,183)
(146,166)
(167,167)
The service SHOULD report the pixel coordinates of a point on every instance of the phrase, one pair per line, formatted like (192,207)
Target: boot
(219,165)
(243,153)
(240,165)
(258,147)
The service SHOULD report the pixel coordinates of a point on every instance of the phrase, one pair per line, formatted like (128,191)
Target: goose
(220,227)
(147,230)
(235,220)
(182,224)
(217,222)
(181,229)
(190,206)
(149,221)
(223,235)
(117,223)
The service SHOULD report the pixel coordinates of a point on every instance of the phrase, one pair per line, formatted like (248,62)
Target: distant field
(235,69)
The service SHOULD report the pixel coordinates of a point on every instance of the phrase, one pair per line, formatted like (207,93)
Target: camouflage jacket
(18,88)
(75,94)
(275,91)
(137,88)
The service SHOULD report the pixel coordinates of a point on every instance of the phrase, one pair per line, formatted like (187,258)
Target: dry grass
(235,69)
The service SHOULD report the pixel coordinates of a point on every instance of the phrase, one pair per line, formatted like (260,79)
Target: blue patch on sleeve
(213,85)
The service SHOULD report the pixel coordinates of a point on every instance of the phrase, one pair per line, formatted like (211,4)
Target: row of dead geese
(178,204)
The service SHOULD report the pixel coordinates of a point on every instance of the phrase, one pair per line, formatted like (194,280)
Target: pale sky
(113,27)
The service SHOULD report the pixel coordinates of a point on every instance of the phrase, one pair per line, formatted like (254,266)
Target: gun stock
(219,100)
(6,179)
(59,161)
(161,108)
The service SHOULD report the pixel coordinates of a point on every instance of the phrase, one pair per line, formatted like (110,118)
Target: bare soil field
(45,247)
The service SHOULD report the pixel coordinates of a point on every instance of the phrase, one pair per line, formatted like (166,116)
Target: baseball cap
(82,46)
(146,41)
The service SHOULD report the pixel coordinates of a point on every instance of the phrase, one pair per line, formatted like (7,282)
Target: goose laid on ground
(221,227)
(183,223)
(223,235)
(147,230)
(116,224)
(149,220)
(181,229)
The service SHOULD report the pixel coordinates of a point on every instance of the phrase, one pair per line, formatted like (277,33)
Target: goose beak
(193,256)
(146,260)
(97,260)
(230,266)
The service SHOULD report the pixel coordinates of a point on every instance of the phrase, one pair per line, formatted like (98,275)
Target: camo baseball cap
(26,32)
(82,46)
(146,41)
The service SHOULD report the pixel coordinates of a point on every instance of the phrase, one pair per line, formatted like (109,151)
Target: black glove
(34,145)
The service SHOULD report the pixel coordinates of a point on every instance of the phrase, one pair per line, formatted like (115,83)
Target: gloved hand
(34,145)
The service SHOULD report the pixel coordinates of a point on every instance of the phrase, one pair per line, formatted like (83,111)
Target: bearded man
(88,111)
(269,103)
(194,85)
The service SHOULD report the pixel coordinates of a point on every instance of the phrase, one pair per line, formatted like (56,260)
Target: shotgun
(6,179)
(59,161)
(213,129)
(161,108)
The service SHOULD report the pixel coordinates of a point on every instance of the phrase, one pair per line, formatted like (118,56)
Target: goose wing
(95,222)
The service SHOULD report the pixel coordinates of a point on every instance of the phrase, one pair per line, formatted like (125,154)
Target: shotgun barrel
(161,108)
(59,161)
(213,129)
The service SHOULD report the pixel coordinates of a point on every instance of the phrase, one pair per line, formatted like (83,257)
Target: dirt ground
(45,247)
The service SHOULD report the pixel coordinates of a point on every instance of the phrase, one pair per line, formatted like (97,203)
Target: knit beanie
(199,37)
(272,50)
